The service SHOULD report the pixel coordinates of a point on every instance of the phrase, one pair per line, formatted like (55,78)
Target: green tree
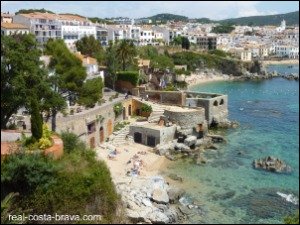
(69,74)
(185,43)
(162,62)
(36,120)
(112,63)
(177,40)
(88,45)
(91,92)
(22,75)
(126,52)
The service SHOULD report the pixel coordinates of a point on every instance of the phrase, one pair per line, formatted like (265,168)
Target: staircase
(157,112)
(119,137)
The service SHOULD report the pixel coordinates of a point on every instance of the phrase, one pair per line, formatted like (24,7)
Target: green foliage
(77,184)
(120,125)
(36,120)
(91,92)
(146,108)
(220,53)
(292,219)
(118,109)
(206,60)
(181,84)
(12,126)
(130,76)
(170,87)
(162,62)
(225,28)
(185,43)
(26,11)
(88,45)
(147,52)
(126,51)
(182,71)
(113,65)
(70,141)
(23,173)
(45,141)
(99,20)
(22,75)
(290,18)
(8,209)
(165,17)
(177,40)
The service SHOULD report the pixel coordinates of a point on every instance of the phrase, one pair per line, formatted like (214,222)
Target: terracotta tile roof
(72,17)
(86,59)
(13,26)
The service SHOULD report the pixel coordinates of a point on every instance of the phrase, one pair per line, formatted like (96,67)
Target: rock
(224,196)
(160,196)
(212,147)
(190,140)
(199,142)
(162,149)
(216,138)
(175,194)
(134,216)
(201,160)
(170,157)
(175,177)
(147,202)
(158,217)
(272,164)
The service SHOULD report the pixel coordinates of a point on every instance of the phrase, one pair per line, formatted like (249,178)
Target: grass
(120,125)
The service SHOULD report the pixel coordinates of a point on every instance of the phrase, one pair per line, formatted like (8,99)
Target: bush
(70,141)
(118,109)
(146,108)
(130,76)
(45,141)
(23,173)
(12,126)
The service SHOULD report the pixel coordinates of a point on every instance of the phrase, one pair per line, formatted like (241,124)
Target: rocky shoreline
(272,164)
(151,200)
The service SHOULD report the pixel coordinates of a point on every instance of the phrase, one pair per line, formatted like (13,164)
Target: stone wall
(187,118)
(103,117)
(167,97)
(215,105)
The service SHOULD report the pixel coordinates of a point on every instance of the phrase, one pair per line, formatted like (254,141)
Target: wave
(289,197)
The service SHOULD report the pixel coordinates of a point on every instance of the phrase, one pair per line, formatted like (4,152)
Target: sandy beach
(149,163)
(195,79)
(274,62)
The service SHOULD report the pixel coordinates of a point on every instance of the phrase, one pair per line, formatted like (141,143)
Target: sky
(137,9)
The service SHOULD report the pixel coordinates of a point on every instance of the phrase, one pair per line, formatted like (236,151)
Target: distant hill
(26,11)
(290,18)
(165,17)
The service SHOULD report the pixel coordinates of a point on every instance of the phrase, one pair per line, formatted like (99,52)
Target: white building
(282,26)
(285,51)
(13,28)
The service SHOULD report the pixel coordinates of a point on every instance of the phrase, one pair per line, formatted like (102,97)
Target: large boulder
(160,196)
(175,194)
(158,217)
(162,149)
(190,140)
(272,164)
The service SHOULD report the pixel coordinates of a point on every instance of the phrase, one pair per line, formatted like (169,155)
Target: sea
(227,189)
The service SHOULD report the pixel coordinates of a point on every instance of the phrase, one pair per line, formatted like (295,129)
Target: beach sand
(195,79)
(151,163)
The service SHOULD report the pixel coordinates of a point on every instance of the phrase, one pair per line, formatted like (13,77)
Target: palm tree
(126,51)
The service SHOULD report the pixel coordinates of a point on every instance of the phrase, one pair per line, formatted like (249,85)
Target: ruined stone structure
(215,105)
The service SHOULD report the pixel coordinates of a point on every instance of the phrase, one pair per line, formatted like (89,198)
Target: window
(91,128)
(222,102)
(216,103)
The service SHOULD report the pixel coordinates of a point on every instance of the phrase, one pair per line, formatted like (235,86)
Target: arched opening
(92,142)
(216,103)
(109,127)
(101,135)
(129,110)
(222,102)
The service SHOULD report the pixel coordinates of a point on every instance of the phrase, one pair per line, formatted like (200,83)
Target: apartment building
(43,25)
(13,28)
(207,42)
(102,35)
(286,51)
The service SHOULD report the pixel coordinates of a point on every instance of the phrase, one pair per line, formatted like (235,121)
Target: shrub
(118,109)
(130,76)
(70,141)
(45,141)
(12,126)
(23,173)
(146,108)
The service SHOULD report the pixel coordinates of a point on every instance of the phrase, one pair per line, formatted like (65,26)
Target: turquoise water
(227,188)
